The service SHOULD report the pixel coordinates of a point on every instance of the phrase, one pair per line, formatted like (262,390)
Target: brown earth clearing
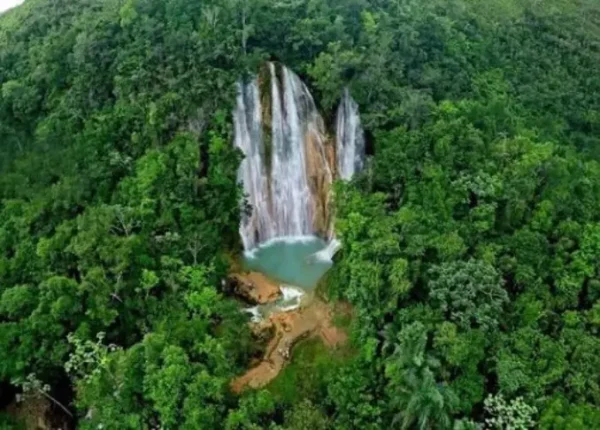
(314,319)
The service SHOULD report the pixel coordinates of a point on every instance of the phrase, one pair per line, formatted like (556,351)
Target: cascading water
(292,208)
(350,138)
(287,174)
(253,170)
(283,164)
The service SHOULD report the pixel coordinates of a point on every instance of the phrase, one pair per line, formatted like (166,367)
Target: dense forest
(471,242)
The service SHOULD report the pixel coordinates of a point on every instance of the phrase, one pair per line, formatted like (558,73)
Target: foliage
(470,243)
(515,414)
(469,293)
(305,416)
(419,400)
(307,374)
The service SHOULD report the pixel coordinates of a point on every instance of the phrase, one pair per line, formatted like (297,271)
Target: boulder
(254,288)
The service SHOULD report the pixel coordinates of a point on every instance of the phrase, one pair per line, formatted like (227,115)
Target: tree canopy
(471,243)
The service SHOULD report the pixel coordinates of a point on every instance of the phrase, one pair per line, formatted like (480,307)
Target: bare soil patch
(313,319)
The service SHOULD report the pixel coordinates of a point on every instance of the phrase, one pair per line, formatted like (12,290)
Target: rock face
(254,288)
(319,180)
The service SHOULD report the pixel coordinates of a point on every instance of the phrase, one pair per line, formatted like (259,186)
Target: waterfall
(253,171)
(350,139)
(287,169)
(327,253)
(286,174)
(292,209)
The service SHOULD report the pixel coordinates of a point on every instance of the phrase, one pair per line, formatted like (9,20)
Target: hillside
(470,242)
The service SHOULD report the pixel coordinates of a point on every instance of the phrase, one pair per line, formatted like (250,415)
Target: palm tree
(419,401)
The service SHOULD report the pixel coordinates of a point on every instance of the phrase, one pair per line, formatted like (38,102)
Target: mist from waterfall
(350,138)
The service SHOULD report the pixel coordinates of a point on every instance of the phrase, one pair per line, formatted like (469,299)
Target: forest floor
(314,319)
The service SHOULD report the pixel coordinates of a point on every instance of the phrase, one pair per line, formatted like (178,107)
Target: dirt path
(290,328)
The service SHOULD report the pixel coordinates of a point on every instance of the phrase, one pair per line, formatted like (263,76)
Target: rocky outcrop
(320,178)
(253,287)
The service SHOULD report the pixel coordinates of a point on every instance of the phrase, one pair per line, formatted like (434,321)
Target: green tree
(417,399)
(470,293)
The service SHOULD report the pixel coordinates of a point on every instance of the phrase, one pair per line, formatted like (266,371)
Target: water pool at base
(298,261)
